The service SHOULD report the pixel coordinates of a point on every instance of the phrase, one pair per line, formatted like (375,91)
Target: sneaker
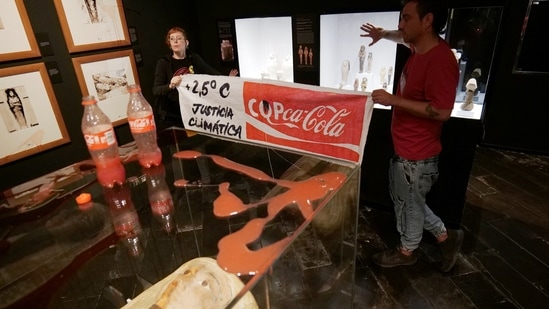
(392,258)
(450,249)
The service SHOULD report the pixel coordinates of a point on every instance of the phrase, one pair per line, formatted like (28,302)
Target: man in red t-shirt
(424,100)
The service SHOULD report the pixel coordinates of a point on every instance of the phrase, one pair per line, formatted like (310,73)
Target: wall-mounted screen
(346,60)
(264,48)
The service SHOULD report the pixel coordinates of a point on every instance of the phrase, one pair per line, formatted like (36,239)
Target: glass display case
(282,223)
(472,32)
(346,60)
(264,48)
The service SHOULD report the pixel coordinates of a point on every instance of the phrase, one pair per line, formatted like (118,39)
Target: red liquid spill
(234,255)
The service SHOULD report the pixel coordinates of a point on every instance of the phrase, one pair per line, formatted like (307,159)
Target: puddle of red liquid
(234,255)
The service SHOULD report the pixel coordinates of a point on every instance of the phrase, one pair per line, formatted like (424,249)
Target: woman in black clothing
(168,74)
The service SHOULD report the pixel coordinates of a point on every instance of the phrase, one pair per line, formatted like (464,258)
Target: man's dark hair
(439,9)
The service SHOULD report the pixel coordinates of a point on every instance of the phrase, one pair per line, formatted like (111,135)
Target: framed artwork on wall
(106,77)
(15,28)
(92,24)
(30,119)
(473,36)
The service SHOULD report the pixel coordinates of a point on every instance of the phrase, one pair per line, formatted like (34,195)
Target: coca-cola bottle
(160,197)
(143,128)
(124,216)
(101,141)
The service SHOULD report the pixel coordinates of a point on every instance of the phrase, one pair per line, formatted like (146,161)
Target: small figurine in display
(384,86)
(227,51)
(369,67)
(272,66)
(382,75)
(306,54)
(457,54)
(300,52)
(364,84)
(476,75)
(390,75)
(345,68)
(355,84)
(311,56)
(471,86)
(361,57)
(287,68)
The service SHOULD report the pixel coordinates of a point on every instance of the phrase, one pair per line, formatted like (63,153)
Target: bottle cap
(84,200)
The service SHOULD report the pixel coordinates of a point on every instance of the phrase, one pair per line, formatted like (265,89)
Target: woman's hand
(175,81)
(233,72)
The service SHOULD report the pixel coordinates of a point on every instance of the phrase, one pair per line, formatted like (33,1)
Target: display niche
(264,46)
(346,60)
(472,34)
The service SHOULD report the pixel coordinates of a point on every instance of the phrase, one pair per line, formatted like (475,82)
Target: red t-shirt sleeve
(441,80)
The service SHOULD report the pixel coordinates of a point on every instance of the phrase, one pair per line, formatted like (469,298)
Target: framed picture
(15,28)
(92,24)
(106,77)
(30,120)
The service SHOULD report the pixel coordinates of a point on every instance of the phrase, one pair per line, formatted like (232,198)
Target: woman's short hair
(174,30)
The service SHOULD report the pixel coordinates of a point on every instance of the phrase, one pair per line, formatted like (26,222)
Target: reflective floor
(504,261)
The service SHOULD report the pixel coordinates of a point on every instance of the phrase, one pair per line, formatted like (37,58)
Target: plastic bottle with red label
(160,197)
(143,128)
(102,144)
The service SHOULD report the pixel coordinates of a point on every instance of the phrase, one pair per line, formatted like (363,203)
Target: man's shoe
(394,257)
(450,249)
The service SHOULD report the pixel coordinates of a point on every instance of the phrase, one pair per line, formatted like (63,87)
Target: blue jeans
(409,183)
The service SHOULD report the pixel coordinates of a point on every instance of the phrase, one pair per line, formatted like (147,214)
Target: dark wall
(515,109)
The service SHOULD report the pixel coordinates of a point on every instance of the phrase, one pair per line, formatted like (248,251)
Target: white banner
(308,119)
